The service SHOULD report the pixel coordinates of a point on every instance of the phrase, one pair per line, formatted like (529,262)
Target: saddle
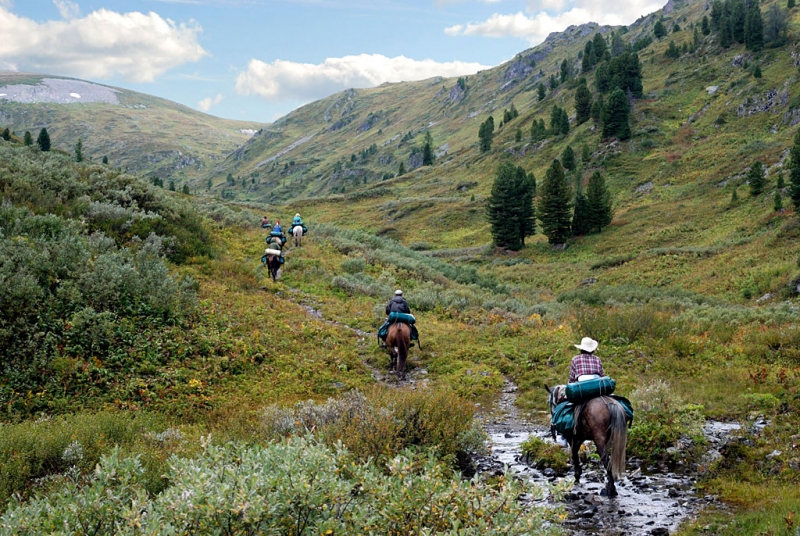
(403,318)
(565,415)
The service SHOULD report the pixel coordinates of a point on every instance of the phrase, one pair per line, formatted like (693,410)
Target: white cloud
(206,104)
(554,16)
(8,4)
(103,44)
(286,80)
(67,9)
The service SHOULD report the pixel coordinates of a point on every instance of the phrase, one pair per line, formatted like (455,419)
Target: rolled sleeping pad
(586,390)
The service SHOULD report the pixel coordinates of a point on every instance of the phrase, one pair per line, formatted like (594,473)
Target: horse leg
(605,459)
(576,462)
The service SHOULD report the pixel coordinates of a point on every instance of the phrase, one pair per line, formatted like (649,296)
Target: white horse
(297,233)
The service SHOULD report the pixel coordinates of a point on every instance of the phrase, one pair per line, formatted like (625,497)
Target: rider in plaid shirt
(585,362)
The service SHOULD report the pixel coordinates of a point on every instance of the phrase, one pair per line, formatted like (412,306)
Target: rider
(265,223)
(297,220)
(277,230)
(397,304)
(585,365)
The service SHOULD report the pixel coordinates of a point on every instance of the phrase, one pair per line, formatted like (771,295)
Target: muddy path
(652,500)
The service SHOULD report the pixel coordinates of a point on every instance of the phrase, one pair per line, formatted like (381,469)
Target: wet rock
(660,531)
(591,512)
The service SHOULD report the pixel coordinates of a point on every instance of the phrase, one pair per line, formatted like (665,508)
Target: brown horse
(398,341)
(602,420)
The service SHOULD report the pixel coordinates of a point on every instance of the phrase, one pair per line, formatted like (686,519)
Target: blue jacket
(277,228)
(297,221)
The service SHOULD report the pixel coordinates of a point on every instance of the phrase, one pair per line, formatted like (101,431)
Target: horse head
(556,395)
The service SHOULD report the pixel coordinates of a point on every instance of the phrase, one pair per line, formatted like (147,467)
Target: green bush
(625,324)
(542,454)
(293,487)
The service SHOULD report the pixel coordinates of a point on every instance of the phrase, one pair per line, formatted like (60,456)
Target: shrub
(542,454)
(626,324)
(292,487)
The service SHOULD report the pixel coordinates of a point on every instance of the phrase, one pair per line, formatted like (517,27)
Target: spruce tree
(518,135)
(580,223)
(79,151)
(658,30)
(597,108)
(185,189)
(565,72)
(704,26)
(617,45)
(43,140)
(754,28)
(780,183)
(583,103)
(757,72)
(776,27)
(598,202)
(105,159)
(599,46)
(615,116)
(486,134)
(725,33)
(756,178)
(401,170)
(554,209)
(28,139)
(509,208)
(541,91)
(734,197)
(568,158)
(588,60)
(6,134)
(586,153)
(790,4)
(564,123)
(538,130)
(427,155)
(777,201)
(171,185)
(794,171)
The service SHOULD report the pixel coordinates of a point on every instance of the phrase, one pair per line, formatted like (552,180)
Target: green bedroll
(578,392)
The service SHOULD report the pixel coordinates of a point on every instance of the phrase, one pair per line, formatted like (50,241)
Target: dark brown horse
(273,265)
(398,341)
(602,420)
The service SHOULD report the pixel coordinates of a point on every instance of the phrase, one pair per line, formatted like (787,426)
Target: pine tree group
(555,205)
(510,208)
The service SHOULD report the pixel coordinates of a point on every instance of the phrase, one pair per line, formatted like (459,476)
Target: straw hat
(587,345)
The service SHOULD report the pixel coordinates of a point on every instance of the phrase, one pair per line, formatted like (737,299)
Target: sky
(257,60)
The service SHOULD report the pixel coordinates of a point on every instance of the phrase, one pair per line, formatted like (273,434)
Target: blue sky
(259,59)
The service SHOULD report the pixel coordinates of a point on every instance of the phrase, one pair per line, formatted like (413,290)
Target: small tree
(757,72)
(209,184)
(28,139)
(780,183)
(6,134)
(427,155)
(518,135)
(555,208)
(586,153)
(401,170)
(615,116)
(540,91)
(659,30)
(790,4)
(580,222)
(79,151)
(185,189)
(777,202)
(704,26)
(486,134)
(43,140)
(754,28)
(583,103)
(568,158)
(734,197)
(598,202)
(756,178)
(105,159)
(794,171)
(171,185)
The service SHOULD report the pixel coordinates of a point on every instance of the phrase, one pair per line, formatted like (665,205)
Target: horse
(398,341)
(602,420)
(273,263)
(297,233)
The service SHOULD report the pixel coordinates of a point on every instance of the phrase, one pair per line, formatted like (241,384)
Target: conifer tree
(43,140)
(599,46)
(401,170)
(105,159)
(734,197)
(583,103)
(510,206)
(554,209)
(79,151)
(757,72)
(756,178)
(564,123)
(6,134)
(538,130)
(486,134)
(518,135)
(209,184)
(794,171)
(777,201)
(185,189)
(541,91)
(28,139)
(598,203)
(597,108)
(790,4)
(565,71)
(780,183)
(580,223)
(754,28)
(588,60)
(586,153)
(171,185)
(427,155)
(568,158)
(704,26)
(658,30)
(776,27)
(617,45)
(615,116)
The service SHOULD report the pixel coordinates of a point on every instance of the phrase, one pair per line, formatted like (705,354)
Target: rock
(589,281)
(774,454)
(588,513)
(712,89)
(644,188)
(660,531)
(673,493)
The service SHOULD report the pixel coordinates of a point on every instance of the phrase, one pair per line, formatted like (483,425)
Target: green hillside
(138,132)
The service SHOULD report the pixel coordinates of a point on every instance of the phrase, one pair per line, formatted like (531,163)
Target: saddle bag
(403,318)
(586,390)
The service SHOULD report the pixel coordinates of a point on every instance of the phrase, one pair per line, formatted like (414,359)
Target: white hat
(297,215)
(587,344)
(398,292)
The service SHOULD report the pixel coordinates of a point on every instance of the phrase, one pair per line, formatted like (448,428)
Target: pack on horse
(273,255)
(603,420)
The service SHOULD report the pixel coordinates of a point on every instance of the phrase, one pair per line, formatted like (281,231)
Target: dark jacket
(397,305)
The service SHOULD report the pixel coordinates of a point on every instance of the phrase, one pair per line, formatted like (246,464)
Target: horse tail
(403,343)
(619,438)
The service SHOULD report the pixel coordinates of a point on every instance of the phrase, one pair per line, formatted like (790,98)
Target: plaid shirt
(584,364)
